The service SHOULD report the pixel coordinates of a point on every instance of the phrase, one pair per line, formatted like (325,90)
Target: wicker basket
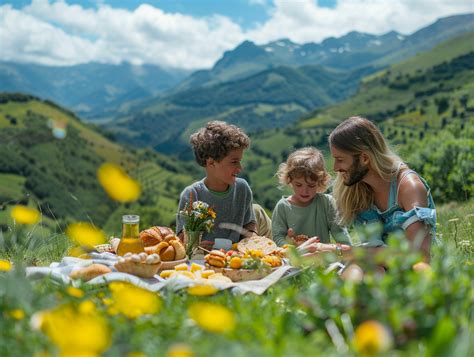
(166,265)
(142,270)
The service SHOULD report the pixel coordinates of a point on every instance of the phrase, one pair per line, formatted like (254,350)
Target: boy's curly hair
(216,141)
(307,162)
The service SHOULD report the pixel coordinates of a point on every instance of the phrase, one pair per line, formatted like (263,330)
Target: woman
(373,185)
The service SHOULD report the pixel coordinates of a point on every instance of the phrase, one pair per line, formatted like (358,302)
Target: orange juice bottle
(130,241)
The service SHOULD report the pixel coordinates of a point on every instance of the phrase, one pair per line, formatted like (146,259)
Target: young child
(219,148)
(308,212)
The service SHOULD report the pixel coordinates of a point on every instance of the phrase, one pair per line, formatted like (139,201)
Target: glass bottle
(130,241)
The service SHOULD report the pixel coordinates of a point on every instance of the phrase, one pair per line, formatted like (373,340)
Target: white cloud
(57,33)
(304,21)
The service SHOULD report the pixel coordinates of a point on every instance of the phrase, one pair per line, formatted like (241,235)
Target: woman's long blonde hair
(355,136)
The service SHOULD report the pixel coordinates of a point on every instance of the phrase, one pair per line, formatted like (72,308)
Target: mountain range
(89,89)
(105,92)
(262,87)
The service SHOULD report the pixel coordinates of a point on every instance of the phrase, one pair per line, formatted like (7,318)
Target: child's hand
(297,239)
(207,244)
(300,239)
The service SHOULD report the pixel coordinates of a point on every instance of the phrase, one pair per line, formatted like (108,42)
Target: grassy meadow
(401,313)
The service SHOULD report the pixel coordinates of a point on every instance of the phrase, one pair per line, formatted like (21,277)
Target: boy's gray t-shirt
(317,219)
(235,206)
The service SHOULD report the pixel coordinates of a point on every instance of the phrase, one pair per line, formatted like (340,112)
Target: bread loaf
(179,251)
(154,235)
(168,254)
(90,272)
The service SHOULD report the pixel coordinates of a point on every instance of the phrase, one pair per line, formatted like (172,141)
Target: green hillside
(59,175)
(269,99)
(424,106)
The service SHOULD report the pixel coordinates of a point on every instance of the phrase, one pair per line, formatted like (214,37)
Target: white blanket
(60,272)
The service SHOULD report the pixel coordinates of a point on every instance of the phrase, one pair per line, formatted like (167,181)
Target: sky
(193,34)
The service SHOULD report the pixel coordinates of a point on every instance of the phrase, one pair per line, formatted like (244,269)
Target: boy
(219,148)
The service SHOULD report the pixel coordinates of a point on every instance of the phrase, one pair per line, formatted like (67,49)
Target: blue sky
(193,34)
(245,12)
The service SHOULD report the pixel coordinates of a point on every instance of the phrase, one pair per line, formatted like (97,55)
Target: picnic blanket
(60,272)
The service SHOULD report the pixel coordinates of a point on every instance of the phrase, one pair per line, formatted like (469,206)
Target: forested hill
(424,106)
(49,157)
(272,98)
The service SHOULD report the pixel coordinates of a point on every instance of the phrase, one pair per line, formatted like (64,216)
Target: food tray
(242,274)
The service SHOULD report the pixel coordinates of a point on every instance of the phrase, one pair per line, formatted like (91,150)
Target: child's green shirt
(317,219)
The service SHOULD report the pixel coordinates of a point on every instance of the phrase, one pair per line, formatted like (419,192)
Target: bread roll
(90,272)
(154,235)
(179,251)
(168,254)
(170,237)
(158,248)
(164,231)
(150,237)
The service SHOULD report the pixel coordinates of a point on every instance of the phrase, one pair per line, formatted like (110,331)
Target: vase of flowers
(198,218)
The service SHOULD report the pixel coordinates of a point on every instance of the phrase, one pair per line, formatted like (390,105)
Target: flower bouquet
(198,218)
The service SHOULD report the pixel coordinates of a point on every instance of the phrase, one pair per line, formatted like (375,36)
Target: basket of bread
(254,258)
(163,242)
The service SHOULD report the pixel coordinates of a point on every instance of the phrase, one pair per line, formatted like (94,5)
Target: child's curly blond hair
(307,162)
(216,140)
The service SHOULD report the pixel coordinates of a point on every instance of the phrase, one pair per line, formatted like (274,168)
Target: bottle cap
(130,218)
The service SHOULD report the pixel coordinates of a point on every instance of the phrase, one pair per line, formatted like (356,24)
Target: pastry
(90,272)
(155,235)
(167,254)
(215,258)
(163,231)
(264,244)
(179,251)
(150,237)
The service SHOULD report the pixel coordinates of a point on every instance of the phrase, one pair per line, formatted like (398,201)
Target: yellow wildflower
(202,290)
(75,292)
(133,301)
(179,350)
(371,337)
(85,234)
(212,317)
(25,215)
(87,307)
(107,301)
(118,185)
(17,314)
(5,265)
(77,252)
(75,333)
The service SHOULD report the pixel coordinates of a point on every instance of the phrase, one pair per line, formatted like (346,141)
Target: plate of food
(255,258)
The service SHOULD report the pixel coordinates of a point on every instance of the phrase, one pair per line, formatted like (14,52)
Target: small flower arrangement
(198,217)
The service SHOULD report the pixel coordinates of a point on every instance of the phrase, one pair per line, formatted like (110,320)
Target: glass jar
(130,241)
